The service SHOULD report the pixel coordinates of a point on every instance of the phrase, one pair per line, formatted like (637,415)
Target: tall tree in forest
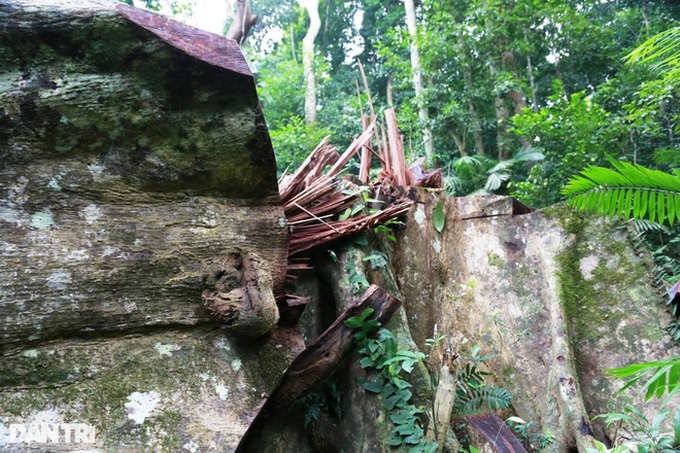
(411,23)
(312,8)
(244,19)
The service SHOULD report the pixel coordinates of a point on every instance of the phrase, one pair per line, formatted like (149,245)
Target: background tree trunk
(312,7)
(244,19)
(418,78)
(474,116)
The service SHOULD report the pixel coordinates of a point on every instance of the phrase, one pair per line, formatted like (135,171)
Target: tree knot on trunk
(239,293)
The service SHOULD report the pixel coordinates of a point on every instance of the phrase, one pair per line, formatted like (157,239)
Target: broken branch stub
(239,294)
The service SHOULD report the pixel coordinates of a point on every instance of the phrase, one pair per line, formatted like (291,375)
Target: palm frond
(627,191)
(467,160)
(502,165)
(662,49)
(495,180)
(667,157)
(529,154)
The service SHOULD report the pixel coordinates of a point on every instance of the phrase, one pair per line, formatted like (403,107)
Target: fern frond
(489,396)
(643,225)
(627,191)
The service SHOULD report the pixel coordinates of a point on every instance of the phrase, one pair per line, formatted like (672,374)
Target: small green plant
(356,276)
(532,441)
(665,377)
(386,229)
(645,436)
(328,398)
(602,448)
(379,353)
(438,217)
(473,393)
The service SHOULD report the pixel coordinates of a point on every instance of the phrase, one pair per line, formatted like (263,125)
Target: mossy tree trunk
(135,165)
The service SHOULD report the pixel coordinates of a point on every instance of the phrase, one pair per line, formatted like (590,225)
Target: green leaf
(401,417)
(628,204)
(652,207)
(637,205)
(345,214)
(438,217)
(372,386)
(674,377)
(356,209)
(394,401)
(671,210)
(394,439)
(414,438)
(354,322)
(366,362)
(643,204)
(388,390)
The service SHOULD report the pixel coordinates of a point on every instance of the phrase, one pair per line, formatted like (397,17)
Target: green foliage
(380,354)
(355,274)
(438,217)
(664,379)
(175,8)
(502,171)
(293,141)
(646,436)
(573,131)
(386,230)
(473,394)
(602,448)
(629,191)
(663,243)
(328,398)
(531,441)
(663,51)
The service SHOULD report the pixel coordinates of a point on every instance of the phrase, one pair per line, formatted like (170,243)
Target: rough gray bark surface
(125,159)
(556,298)
(137,183)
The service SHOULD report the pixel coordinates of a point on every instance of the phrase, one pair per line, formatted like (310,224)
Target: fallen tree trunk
(319,360)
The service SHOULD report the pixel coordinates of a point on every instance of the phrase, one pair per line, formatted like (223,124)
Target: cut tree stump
(134,162)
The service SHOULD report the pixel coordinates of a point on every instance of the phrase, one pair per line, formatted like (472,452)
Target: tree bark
(244,20)
(312,7)
(130,169)
(460,142)
(418,86)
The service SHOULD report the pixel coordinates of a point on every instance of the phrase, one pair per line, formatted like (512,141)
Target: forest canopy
(516,96)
